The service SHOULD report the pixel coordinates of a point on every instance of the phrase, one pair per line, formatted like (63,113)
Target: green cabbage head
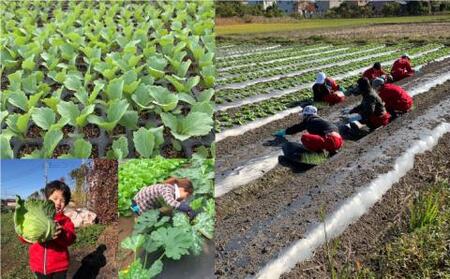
(33,219)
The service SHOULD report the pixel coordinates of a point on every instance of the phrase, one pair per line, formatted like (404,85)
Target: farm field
(111,80)
(325,24)
(269,219)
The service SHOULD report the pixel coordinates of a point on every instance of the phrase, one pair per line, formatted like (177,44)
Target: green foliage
(135,174)
(33,219)
(87,236)
(14,253)
(175,236)
(117,64)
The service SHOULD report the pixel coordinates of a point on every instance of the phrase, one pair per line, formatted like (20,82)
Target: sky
(23,177)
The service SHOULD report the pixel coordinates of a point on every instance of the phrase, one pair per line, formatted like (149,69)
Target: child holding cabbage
(49,256)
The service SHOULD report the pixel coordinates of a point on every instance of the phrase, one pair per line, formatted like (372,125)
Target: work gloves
(280,133)
(184,207)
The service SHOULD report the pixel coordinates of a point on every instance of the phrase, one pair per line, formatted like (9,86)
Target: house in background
(8,202)
(265,3)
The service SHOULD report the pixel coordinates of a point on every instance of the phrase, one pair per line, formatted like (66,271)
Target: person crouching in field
(322,135)
(402,68)
(376,72)
(327,90)
(50,260)
(372,110)
(169,194)
(396,99)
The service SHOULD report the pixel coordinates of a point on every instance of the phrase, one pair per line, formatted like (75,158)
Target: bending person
(327,90)
(321,135)
(375,72)
(172,193)
(402,68)
(395,98)
(372,110)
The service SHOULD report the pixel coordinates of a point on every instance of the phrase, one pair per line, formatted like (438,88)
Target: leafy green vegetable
(194,124)
(175,241)
(33,219)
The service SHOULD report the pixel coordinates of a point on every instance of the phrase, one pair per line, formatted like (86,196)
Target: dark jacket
(371,104)
(314,125)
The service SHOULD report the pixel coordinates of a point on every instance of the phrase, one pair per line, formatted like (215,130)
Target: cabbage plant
(33,219)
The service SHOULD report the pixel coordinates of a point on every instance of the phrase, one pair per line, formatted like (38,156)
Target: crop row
(287,61)
(97,79)
(251,112)
(245,51)
(230,95)
(261,57)
(306,63)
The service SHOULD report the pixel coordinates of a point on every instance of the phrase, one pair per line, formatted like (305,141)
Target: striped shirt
(153,196)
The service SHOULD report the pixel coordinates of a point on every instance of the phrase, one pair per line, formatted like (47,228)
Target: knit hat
(320,79)
(309,110)
(377,83)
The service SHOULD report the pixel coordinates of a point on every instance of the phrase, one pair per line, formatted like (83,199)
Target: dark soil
(91,131)
(94,152)
(118,130)
(109,238)
(234,150)
(34,132)
(67,130)
(60,150)
(27,148)
(257,220)
(363,238)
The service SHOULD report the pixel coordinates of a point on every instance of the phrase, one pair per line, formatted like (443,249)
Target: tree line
(348,9)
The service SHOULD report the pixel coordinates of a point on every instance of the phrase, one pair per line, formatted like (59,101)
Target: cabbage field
(274,222)
(97,79)
(155,238)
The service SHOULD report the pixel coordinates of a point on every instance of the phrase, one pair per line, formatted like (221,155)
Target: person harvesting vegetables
(327,90)
(375,72)
(371,109)
(322,135)
(402,68)
(173,193)
(50,232)
(396,99)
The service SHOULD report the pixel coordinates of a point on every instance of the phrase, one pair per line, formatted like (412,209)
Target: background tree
(79,193)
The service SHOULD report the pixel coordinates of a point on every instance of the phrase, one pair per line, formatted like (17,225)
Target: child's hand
(57,232)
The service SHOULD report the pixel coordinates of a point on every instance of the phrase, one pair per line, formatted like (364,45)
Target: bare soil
(367,235)
(379,32)
(257,220)
(109,238)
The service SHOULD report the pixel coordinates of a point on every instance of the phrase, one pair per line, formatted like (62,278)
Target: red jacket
(401,69)
(372,73)
(331,83)
(53,256)
(395,98)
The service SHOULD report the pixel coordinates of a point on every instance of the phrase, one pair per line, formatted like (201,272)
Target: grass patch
(314,158)
(87,236)
(14,253)
(420,248)
(322,23)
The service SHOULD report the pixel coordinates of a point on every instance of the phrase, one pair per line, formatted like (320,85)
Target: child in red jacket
(50,260)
